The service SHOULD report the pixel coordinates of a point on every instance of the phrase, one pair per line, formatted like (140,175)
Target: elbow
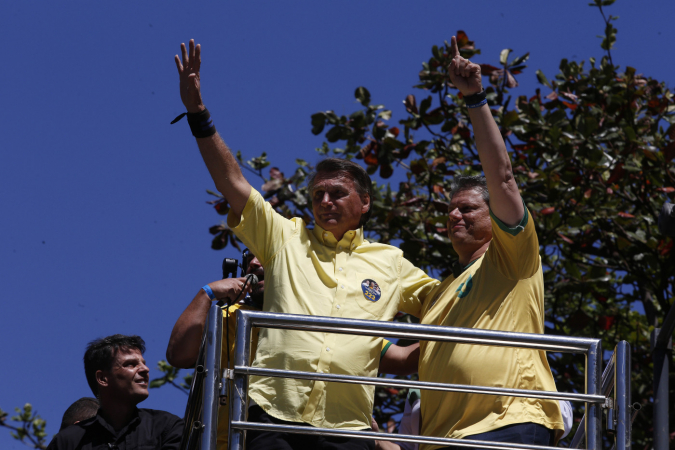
(179,359)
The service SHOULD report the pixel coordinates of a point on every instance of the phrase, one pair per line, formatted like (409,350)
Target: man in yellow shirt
(498,285)
(330,270)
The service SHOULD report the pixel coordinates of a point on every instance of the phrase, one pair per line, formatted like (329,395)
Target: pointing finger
(454,51)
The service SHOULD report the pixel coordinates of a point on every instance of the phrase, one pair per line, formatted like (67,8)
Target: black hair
(338,167)
(101,353)
(83,409)
(466,183)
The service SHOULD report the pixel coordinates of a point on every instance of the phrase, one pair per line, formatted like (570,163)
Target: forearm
(186,335)
(505,200)
(225,171)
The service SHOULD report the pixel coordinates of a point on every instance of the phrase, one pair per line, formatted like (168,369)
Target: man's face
(469,225)
(128,377)
(336,203)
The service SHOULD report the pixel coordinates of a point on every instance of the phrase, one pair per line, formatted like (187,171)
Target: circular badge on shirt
(371,290)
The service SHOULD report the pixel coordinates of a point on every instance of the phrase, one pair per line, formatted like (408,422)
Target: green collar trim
(513,231)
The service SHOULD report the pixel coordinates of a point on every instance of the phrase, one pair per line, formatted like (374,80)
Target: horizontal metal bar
(385,436)
(246,370)
(341,325)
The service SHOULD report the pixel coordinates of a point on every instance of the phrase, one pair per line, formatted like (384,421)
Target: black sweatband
(475,99)
(201,124)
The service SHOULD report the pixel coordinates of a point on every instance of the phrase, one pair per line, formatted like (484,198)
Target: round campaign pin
(371,290)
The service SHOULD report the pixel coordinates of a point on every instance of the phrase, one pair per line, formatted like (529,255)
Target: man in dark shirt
(82,409)
(117,375)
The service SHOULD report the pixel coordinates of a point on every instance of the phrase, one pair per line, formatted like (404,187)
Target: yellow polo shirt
(307,271)
(223,409)
(502,290)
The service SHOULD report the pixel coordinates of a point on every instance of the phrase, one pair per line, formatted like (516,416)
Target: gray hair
(466,183)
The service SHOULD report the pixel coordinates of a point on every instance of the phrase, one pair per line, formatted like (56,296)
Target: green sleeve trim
(513,231)
(384,350)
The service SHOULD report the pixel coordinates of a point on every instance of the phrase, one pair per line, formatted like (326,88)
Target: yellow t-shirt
(309,272)
(502,290)
(223,409)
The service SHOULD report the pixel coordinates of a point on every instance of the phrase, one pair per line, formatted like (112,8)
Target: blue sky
(104,222)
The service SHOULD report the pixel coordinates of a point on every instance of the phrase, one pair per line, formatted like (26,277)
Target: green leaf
(318,122)
(362,95)
(542,78)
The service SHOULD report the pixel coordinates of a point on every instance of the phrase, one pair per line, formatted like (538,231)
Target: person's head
(82,409)
(469,225)
(341,193)
(251,264)
(115,368)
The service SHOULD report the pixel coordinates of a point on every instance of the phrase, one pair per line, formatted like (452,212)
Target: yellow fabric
(223,410)
(309,272)
(502,290)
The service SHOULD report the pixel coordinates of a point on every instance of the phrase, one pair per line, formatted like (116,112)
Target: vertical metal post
(214,336)
(622,403)
(239,400)
(593,386)
(661,358)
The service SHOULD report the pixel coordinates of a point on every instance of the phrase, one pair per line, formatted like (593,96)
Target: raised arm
(186,336)
(505,200)
(219,160)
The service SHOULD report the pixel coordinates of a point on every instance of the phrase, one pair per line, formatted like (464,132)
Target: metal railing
(595,396)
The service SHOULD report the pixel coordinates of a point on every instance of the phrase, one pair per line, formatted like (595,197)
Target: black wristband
(201,124)
(475,99)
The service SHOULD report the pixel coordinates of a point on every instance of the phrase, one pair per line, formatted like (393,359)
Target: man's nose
(144,368)
(455,214)
(326,200)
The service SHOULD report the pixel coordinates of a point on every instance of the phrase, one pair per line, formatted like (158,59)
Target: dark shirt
(149,429)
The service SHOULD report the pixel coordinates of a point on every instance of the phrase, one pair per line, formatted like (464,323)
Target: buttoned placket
(341,254)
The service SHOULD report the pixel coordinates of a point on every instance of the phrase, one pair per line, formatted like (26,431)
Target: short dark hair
(462,183)
(83,409)
(339,167)
(101,353)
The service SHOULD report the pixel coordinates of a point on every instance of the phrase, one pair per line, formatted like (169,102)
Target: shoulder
(70,436)
(159,417)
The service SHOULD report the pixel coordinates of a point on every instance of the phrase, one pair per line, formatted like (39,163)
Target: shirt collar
(352,238)
(98,418)
(458,269)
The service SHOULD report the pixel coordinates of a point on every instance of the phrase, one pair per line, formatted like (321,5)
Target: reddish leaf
(617,173)
(599,297)
(666,190)
(487,69)
(222,208)
(410,104)
(606,322)
(371,159)
(463,40)
(588,193)
(386,170)
(394,130)
(547,211)
(578,320)
(571,106)
(412,201)
(626,215)
(441,206)
(216,229)
(669,151)
(565,238)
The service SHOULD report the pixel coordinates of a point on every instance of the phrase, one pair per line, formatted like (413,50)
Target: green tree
(29,428)
(593,155)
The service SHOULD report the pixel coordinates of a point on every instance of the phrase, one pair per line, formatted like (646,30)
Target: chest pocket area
(372,295)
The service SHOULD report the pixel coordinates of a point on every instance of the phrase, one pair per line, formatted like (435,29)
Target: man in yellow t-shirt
(330,270)
(183,348)
(498,285)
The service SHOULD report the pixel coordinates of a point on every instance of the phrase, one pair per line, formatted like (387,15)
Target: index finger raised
(454,51)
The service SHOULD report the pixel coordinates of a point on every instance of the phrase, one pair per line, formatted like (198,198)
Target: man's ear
(101,378)
(365,199)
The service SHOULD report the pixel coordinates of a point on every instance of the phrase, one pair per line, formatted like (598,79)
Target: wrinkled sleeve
(172,434)
(262,229)
(415,288)
(514,250)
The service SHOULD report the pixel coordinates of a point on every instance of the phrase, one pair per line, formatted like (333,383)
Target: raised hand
(464,74)
(188,73)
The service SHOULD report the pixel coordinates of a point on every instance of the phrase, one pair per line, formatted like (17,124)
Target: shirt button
(327,349)
(337,306)
(342,286)
(339,247)
(340,269)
